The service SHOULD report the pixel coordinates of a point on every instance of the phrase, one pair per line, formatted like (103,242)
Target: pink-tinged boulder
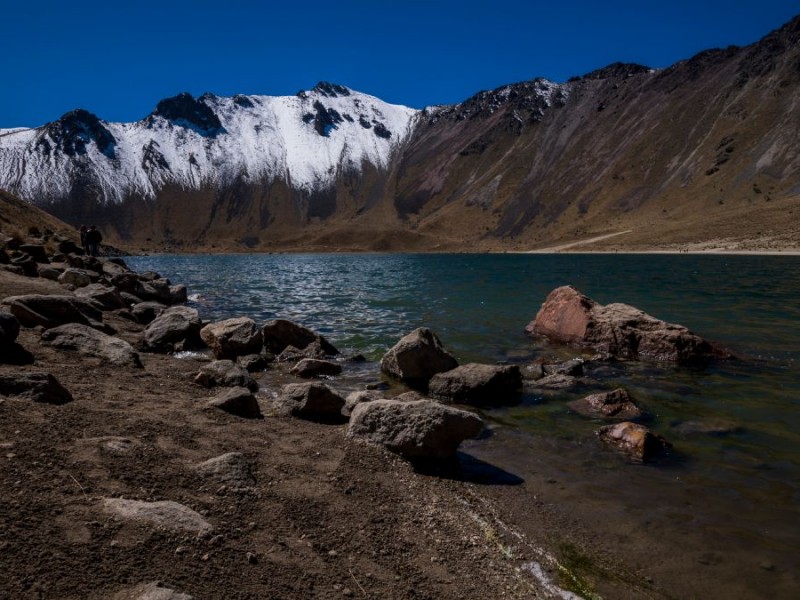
(417,357)
(569,317)
(635,440)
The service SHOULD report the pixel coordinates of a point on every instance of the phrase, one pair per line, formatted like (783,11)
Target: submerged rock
(621,330)
(417,357)
(416,429)
(635,440)
(616,404)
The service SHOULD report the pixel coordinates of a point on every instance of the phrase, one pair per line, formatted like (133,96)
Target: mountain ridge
(525,165)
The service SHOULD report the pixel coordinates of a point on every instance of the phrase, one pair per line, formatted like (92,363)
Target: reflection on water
(735,426)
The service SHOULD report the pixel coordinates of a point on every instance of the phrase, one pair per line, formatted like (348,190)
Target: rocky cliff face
(699,151)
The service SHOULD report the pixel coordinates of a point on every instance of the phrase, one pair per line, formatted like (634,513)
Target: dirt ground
(325,517)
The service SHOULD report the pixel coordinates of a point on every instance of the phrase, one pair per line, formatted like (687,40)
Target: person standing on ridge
(83,231)
(93,239)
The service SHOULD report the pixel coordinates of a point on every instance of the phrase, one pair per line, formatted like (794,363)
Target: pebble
(252,558)
(180,550)
(333,553)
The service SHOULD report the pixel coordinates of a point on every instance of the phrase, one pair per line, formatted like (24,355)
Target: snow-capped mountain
(305,140)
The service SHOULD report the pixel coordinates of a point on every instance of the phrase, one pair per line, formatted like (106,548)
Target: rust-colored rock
(621,330)
(635,440)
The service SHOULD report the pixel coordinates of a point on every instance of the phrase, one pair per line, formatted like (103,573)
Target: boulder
(9,329)
(478,384)
(36,251)
(572,367)
(90,342)
(616,404)
(66,246)
(308,368)
(237,401)
(178,324)
(417,357)
(178,293)
(355,398)
(127,282)
(291,354)
(231,469)
(104,297)
(38,387)
(637,441)
(157,290)
(280,333)
(417,429)
(52,310)
(233,337)
(78,277)
(147,312)
(567,316)
(224,373)
(310,401)
(164,514)
(253,363)
(557,382)
(49,272)
(26,263)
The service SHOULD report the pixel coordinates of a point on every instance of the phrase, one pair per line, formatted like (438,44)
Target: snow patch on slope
(304,140)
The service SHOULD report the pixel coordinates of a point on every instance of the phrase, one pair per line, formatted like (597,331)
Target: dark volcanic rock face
(74,131)
(186,111)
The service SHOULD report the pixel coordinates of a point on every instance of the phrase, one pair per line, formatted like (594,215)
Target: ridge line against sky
(118,60)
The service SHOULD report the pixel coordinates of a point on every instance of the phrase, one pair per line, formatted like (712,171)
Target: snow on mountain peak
(305,140)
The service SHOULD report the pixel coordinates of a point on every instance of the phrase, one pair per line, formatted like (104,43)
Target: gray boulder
(417,357)
(49,272)
(9,329)
(224,373)
(78,277)
(417,429)
(155,590)
(157,290)
(147,312)
(104,297)
(233,337)
(355,398)
(178,293)
(36,251)
(616,404)
(310,401)
(90,342)
(237,401)
(567,316)
(280,333)
(308,368)
(231,469)
(37,387)
(178,324)
(52,310)
(637,441)
(572,367)
(253,363)
(164,514)
(478,384)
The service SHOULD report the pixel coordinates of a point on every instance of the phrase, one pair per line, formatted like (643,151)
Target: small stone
(205,557)
(180,550)
(347,592)
(333,553)
(252,558)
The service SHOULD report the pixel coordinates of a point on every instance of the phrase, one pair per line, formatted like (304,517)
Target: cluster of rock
(614,331)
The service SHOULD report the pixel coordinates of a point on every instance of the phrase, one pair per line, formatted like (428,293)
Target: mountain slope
(699,153)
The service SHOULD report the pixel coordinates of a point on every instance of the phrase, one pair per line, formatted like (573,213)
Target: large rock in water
(621,330)
(417,429)
(478,384)
(280,334)
(178,324)
(90,342)
(51,311)
(417,357)
(233,337)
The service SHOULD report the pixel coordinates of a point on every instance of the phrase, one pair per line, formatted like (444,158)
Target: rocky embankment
(240,470)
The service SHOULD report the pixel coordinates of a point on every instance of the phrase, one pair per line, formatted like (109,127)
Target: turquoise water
(735,426)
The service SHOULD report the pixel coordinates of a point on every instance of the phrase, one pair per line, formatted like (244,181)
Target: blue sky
(119,59)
